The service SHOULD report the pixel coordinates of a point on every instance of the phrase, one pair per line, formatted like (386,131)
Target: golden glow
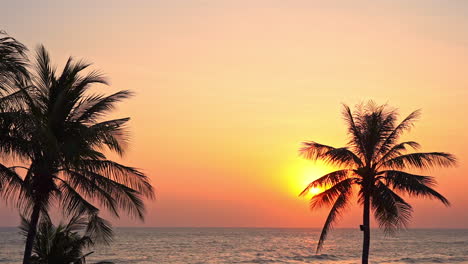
(315,190)
(302,172)
(223,102)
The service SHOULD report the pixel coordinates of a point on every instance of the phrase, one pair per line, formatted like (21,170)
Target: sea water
(264,245)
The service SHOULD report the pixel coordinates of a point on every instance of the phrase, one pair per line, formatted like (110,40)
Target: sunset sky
(227,90)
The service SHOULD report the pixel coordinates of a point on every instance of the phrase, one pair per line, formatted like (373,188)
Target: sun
(302,172)
(315,190)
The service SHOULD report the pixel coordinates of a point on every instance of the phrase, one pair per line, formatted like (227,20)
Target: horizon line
(254,227)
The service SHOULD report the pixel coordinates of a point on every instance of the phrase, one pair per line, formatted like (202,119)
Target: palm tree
(64,243)
(372,164)
(59,132)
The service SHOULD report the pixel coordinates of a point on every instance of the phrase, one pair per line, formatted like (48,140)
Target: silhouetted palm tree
(59,133)
(372,162)
(63,243)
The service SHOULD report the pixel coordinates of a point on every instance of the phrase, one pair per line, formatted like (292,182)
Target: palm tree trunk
(31,234)
(366,229)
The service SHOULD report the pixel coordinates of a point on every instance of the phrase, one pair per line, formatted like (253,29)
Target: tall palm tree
(64,243)
(372,164)
(60,133)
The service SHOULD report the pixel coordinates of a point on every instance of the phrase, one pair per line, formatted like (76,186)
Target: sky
(227,90)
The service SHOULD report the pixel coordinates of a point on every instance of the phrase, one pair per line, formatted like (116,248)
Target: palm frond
(396,150)
(129,176)
(99,229)
(75,203)
(414,185)
(45,72)
(110,194)
(14,101)
(96,106)
(340,203)
(328,179)
(405,125)
(93,190)
(423,160)
(313,150)
(94,77)
(76,223)
(13,62)
(356,140)
(24,226)
(111,133)
(330,155)
(374,123)
(390,210)
(14,189)
(327,197)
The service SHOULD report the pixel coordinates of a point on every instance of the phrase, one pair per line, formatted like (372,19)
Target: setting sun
(302,172)
(315,190)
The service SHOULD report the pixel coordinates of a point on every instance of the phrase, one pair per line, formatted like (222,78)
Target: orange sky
(227,90)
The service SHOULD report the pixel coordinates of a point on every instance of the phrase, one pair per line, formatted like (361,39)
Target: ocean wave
(433,260)
(260,260)
(450,242)
(313,257)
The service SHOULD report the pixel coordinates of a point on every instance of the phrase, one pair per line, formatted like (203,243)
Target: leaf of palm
(99,230)
(76,223)
(329,179)
(14,189)
(73,203)
(396,151)
(390,210)
(14,101)
(374,123)
(111,133)
(92,189)
(96,106)
(68,91)
(356,140)
(313,150)
(405,125)
(414,185)
(423,160)
(44,71)
(13,61)
(327,197)
(125,175)
(111,194)
(333,156)
(97,227)
(340,203)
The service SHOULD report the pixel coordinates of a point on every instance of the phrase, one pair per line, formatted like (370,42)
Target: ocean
(264,245)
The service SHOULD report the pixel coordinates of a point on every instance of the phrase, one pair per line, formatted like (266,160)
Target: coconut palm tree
(372,164)
(59,132)
(65,243)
